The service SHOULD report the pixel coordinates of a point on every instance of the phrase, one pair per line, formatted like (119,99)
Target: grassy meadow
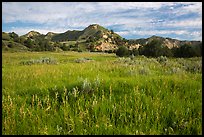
(96,93)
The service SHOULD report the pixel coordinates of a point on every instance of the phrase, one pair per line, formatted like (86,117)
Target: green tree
(13,35)
(134,52)
(155,49)
(48,46)
(167,52)
(122,51)
(187,51)
(22,40)
(119,41)
(28,43)
(65,47)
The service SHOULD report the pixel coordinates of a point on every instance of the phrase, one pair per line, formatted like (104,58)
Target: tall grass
(107,95)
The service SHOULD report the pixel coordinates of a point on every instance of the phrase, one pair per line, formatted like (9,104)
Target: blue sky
(131,20)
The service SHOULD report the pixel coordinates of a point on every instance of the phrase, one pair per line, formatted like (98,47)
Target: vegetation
(96,93)
(67,36)
(39,61)
(96,38)
(187,50)
(122,92)
(155,48)
(122,51)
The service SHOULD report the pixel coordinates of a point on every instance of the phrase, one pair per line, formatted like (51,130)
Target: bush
(65,47)
(79,50)
(45,60)
(81,60)
(135,52)
(74,49)
(162,59)
(11,45)
(28,43)
(122,51)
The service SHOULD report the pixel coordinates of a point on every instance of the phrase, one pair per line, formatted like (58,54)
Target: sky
(131,20)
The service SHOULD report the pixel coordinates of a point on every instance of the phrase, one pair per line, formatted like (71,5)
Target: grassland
(96,93)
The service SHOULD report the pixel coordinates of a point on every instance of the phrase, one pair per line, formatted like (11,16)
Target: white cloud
(131,16)
(153,32)
(191,7)
(53,12)
(197,23)
(195,35)
(23,30)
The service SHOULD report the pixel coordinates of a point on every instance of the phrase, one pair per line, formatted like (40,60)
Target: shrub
(122,51)
(143,71)
(11,45)
(162,59)
(81,60)
(191,65)
(65,47)
(74,49)
(109,51)
(86,86)
(79,50)
(135,52)
(45,60)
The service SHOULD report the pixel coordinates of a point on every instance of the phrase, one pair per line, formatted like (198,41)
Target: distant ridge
(95,38)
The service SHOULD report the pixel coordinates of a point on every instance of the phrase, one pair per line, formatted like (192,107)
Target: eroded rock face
(105,36)
(134,46)
(32,33)
(94,26)
(106,46)
(170,44)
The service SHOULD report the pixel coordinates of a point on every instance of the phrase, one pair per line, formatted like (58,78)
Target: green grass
(106,95)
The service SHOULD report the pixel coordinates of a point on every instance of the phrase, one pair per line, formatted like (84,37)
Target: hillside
(92,38)
(169,42)
(13,46)
(32,34)
(67,36)
(12,42)
(49,35)
(92,31)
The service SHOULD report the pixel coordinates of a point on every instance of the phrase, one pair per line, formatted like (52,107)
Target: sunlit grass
(107,95)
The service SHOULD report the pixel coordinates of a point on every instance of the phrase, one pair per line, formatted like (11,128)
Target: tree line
(156,49)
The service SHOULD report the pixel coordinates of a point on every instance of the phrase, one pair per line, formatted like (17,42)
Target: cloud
(122,16)
(179,34)
(153,32)
(33,12)
(190,7)
(186,23)
(52,12)
(23,30)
